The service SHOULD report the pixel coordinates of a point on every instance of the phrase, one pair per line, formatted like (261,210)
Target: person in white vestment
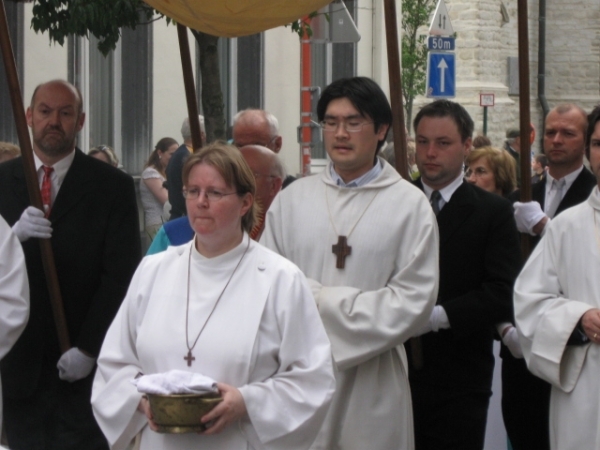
(368,242)
(557,310)
(226,307)
(14,292)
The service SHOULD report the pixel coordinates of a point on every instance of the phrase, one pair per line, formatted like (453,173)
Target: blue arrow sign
(441,75)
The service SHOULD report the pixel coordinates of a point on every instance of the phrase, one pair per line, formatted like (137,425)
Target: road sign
(441,75)
(440,43)
(440,25)
(486,99)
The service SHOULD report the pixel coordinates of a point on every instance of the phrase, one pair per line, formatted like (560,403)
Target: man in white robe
(557,310)
(374,295)
(14,292)
(264,337)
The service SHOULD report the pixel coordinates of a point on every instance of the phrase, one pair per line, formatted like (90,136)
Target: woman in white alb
(153,194)
(227,307)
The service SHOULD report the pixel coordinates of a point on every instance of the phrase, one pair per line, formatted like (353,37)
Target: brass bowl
(181,413)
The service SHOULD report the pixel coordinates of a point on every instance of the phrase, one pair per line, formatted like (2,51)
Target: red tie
(46,189)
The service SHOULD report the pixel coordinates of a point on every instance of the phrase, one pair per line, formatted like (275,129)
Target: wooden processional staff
(31,178)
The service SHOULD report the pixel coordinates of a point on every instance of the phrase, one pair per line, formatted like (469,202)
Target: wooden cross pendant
(341,249)
(189,358)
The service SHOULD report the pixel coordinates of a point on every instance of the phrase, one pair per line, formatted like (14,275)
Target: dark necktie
(435,201)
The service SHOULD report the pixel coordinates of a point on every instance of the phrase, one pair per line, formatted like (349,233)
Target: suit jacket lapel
(538,192)
(76,184)
(20,184)
(456,211)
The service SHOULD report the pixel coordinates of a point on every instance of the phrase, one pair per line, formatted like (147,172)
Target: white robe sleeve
(114,398)
(14,289)
(545,317)
(287,409)
(14,292)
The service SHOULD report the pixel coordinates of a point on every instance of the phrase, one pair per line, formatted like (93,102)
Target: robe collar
(594,199)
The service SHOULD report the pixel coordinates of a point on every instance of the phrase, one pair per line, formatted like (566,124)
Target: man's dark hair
(542,159)
(365,95)
(446,108)
(593,118)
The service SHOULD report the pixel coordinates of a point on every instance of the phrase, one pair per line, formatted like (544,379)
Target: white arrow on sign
(440,25)
(442,66)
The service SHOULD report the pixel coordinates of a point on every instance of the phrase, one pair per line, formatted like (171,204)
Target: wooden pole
(393,53)
(31,179)
(190,89)
(525,116)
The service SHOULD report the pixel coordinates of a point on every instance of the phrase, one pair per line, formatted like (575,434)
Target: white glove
(511,340)
(32,224)
(73,365)
(437,320)
(528,215)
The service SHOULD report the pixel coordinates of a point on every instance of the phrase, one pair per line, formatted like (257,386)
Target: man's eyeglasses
(351,126)
(210,194)
(478,172)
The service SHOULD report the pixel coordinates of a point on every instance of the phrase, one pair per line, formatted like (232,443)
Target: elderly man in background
(175,167)
(258,127)
(269,174)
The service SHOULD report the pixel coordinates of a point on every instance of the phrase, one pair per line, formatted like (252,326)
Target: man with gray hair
(175,166)
(258,127)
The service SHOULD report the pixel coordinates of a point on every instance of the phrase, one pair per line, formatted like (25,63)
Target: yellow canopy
(231,18)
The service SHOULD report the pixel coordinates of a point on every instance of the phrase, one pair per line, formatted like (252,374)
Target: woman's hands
(231,409)
(144,408)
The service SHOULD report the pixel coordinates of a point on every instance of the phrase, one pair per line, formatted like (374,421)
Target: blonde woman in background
(153,193)
(106,154)
(8,151)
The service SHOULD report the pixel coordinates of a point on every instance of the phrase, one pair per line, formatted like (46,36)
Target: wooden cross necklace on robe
(189,357)
(341,250)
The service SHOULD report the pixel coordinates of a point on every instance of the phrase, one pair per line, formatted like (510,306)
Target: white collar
(60,168)
(569,179)
(445,192)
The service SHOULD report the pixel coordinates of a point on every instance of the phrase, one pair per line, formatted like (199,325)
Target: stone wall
(484,41)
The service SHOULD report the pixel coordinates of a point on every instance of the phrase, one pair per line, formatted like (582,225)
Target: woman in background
(492,169)
(153,193)
(106,154)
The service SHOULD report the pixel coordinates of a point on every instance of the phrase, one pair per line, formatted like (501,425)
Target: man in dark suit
(91,217)
(479,261)
(525,397)
(175,167)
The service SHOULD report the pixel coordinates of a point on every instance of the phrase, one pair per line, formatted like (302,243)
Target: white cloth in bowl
(175,382)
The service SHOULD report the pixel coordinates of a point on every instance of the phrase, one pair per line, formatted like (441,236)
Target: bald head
(256,127)
(58,83)
(268,171)
(55,117)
